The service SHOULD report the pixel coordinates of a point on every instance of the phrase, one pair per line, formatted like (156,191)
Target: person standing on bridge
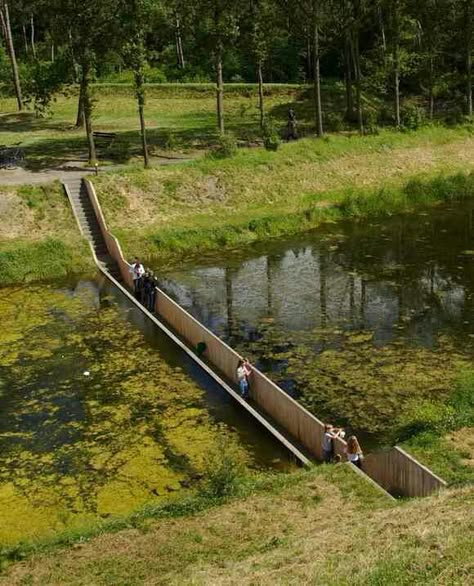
(353,452)
(330,434)
(243,373)
(137,270)
(149,291)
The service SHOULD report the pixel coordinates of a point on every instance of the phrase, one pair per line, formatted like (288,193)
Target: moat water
(362,321)
(100,413)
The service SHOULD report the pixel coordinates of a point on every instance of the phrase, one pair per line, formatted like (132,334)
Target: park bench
(10,157)
(105,137)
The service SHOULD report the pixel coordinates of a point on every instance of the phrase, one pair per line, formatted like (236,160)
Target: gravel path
(69,171)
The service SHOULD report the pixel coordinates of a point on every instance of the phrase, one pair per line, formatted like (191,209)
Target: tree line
(392,49)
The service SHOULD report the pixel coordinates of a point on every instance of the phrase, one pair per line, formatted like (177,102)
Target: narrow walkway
(296,428)
(89,225)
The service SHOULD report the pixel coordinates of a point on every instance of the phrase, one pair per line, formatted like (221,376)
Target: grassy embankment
(39,238)
(175,212)
(171,213)
(440,433)
(323,526)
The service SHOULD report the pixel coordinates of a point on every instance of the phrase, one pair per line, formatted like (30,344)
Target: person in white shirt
(330,434)
(353,452)
(243,373)
(137,271)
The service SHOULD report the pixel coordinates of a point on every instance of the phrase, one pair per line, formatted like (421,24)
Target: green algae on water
(75,448)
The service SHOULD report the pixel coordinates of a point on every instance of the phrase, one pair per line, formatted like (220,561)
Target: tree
(259,22)
(356,16)
(93,28)
(395,14)
(468,14)
(219,19)
(316,23)
(135,56)
(8,38)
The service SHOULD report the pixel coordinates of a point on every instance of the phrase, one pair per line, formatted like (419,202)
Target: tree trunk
(87,106)
(7,33)
(220,88)
(146,157)
(357,68)
(469,35)
(317,71)
(261,106)
(141,99)
(33,43)
(80,109)
(382,31)
(348,81)
(179,43)
(357,77)
(396,63)
(469,81)
(431,97)
(309,61)
(52,53)
(25,40)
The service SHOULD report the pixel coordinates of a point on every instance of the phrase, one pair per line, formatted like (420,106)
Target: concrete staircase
(90,226)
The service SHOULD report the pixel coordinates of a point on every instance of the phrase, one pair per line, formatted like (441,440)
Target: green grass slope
(168,213)
(323,526)
(39,238)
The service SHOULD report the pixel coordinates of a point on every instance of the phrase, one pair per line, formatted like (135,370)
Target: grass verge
(171,244)
(200,501)
(306,532)
(439,433)
(39,238)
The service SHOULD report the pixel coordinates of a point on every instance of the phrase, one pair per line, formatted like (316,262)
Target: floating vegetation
(360,321)
(76,447)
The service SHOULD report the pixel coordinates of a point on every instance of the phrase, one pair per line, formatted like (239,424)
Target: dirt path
(71,170)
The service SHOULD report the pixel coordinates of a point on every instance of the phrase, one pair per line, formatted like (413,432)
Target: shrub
(455,116)
(120,151)
(335,121)
(225,148)
(371,119)
(271,135)
(412,116)
(224,469)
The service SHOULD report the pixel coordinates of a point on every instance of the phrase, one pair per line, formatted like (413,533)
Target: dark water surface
(361,320)
(101,413)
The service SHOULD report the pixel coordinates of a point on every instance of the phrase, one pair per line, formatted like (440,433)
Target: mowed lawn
(178,120)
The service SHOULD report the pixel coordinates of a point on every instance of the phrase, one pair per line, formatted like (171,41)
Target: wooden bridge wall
(394,470)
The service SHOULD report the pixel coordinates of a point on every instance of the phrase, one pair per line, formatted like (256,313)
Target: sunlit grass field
(178,119)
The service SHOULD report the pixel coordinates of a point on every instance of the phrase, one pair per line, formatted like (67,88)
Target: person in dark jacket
(149,291)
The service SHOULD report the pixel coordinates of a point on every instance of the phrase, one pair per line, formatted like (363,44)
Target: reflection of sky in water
(404,275)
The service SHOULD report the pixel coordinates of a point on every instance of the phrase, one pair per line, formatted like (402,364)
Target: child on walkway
(137,271)
(330,434)
(353,452)
(243,373)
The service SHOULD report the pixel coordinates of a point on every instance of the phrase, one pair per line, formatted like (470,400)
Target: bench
(106,137)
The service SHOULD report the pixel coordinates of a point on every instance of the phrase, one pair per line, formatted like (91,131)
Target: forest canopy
(413,56)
